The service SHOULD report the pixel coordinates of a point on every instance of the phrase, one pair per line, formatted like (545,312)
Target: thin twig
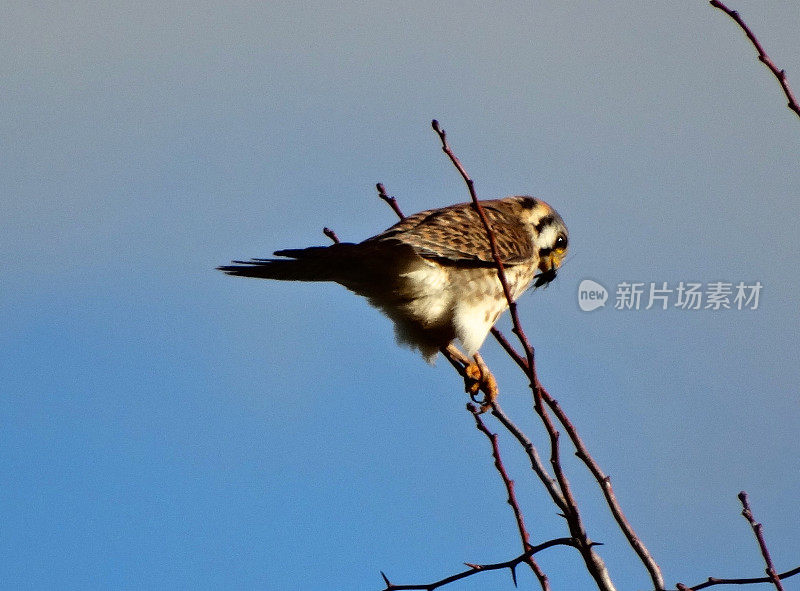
(711,581)
(762,55)
(509,348)
(594,563)
(331,234)
(512,497)
(390,200)
(608,491)
(602,479)
(536,463)
(477,568)
(479,208)
(757,530)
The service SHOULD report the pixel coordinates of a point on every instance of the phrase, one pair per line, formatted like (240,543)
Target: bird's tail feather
(318,263)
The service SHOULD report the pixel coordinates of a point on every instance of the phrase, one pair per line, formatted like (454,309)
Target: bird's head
(549,234)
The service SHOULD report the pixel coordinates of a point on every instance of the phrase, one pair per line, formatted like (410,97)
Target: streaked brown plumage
(432,273)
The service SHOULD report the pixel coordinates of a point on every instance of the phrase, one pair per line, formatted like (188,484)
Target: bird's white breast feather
(473,319)
(432,299)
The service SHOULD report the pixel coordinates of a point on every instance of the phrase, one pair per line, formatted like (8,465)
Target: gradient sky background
(166,426)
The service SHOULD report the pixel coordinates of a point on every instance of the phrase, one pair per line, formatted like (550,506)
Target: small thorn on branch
(474,569)
(471,565)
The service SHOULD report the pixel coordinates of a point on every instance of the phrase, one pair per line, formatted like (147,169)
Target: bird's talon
(478,378)
(472,379)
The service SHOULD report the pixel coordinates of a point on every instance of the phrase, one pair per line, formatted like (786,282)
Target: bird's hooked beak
(548,268)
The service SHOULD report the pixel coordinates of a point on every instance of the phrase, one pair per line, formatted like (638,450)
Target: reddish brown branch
(509,348)
(536,463)
(711,581)
(608,491)
(602,479)
(507,482)
(757,530)
(479,208)
(772,576)
(762,55)
(477,568)
(331,234)
(390,200)
(594,563)
(512,498)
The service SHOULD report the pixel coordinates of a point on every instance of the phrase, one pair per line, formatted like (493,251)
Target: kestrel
(433,273)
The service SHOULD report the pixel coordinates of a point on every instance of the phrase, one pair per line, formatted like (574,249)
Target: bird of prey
(433,273)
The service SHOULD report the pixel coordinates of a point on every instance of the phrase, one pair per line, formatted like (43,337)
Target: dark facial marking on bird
(543,223)
(528,202)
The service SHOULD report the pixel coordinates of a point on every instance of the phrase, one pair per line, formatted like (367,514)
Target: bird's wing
(455,235)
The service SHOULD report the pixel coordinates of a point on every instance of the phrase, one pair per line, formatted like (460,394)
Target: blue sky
(165,426)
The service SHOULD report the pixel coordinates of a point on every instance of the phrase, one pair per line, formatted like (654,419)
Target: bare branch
(711,581)
(602,479)
(536,462)
(748,514)
(477,568)
(608,491)
(484,220)
(331,234)
(594,563)
(762,55)
(512,497)
(390,200)
(558,487)
(509,348)
(507,482)
(772,576)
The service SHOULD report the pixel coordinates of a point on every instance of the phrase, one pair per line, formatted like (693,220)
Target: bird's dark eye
(561,242)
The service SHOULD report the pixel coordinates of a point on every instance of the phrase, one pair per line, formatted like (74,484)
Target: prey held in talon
(433,273)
